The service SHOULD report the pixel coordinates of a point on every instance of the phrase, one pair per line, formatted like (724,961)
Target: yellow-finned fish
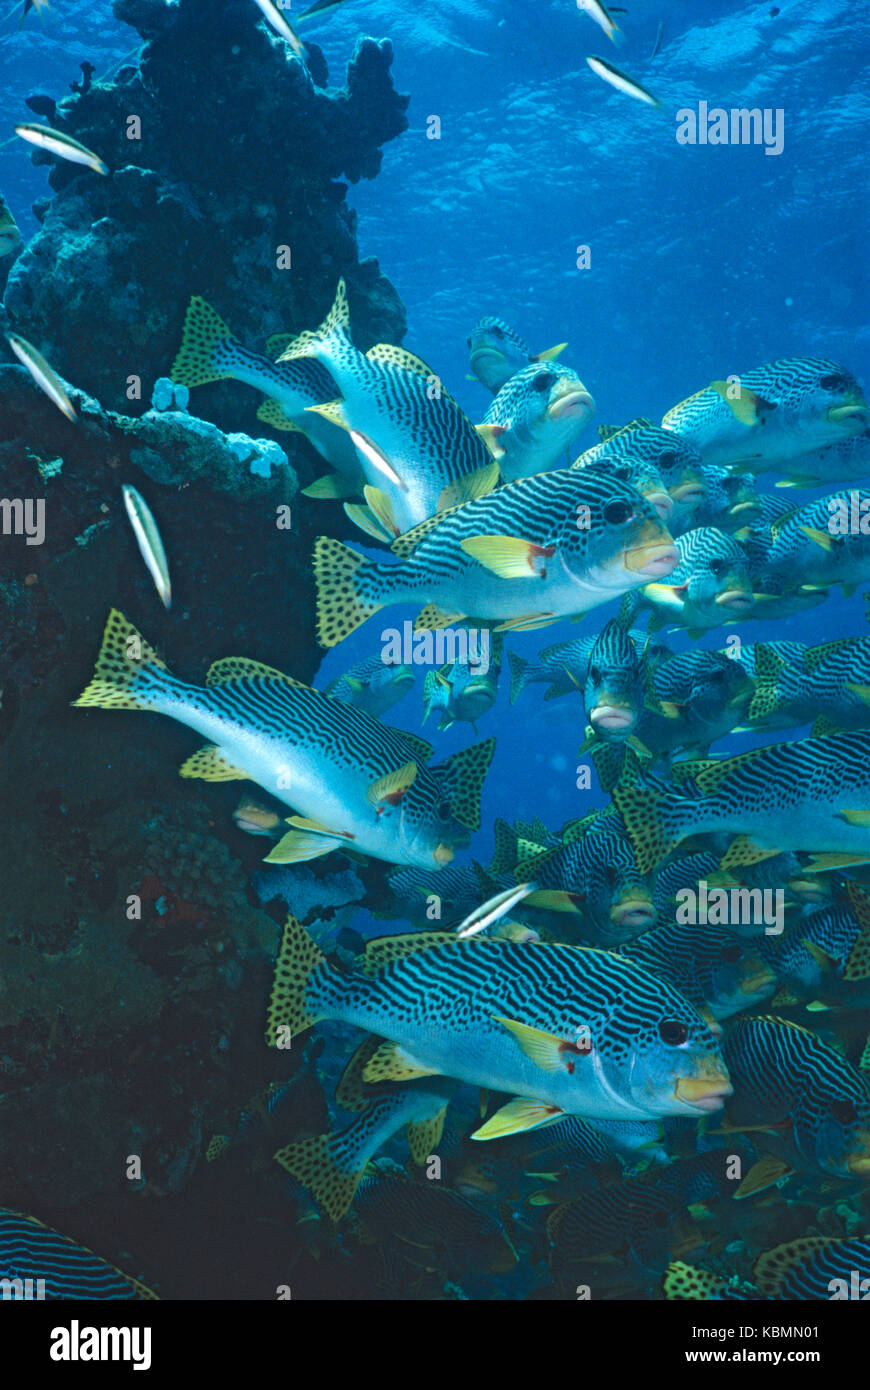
(64,146)
(621,81)
(149,542)
(596,11)
(44,375)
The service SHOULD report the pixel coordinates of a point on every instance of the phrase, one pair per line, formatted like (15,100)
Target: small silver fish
(621,81)
(493,909)
(44,375)
(596,11)
(64,146)
(149,542)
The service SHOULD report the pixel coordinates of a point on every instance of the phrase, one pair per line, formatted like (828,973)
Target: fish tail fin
(314,342)
(682,1281)
(327,1167)
(765,698)
(519,666)
(197,361)
(299,961)
(642,810)
(128,673)
(462,777)
(341,608)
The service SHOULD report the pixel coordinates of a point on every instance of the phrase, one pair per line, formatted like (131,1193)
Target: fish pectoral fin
(509,557)
(527,622)
(862,691)
(547,1050)
(550,354)
(479,483)
(819,537)
(822,959)
(390,1062)
(666,595)
(365,519)
(491,434)
(519,1114)
(382,508)
(854,817)
(210,764)
(742,850)
(747,406)
(389,789)
(822,863)
(315,827)
(767,1172)
(557,900)
(330,485)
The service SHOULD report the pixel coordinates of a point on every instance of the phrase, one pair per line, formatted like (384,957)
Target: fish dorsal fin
(391,355)
(276,343)
(336,321)
(382,951)
(478,483)
(390,1062)
(709,778)
(606,432)
(519,1115)
(505,855)
(419,747)
(352,1091)
(689,769)
(241,668)
(210,764)
(273,414)
(682,1281)
(815,656)
(575,829)
(773,1266)
(424,1136)
(530,867)
(407,543)
(462,776)
(334,411)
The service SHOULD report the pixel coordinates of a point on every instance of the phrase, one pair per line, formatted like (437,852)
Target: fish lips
(635,913)
(486,350)
(853,415)
(652,561)
(704,1093)
(612,716)
(571,404)
(735,598)
(662,502)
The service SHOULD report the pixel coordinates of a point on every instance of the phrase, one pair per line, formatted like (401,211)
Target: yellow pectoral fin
(210,764)
(862,691)
(392,786)
(546,1050)
(510,557)
(822,959)
(392,1063)
(382,507)
(550,354)
(333,411)
(296,847)
(855,817)
(491,435)
(527,623)
(767,1172)
(820,537)
(666,595)
(746,407)
(519,1114)
(471,485)
(365,519)
(554,899)
(822,863)
(330,485)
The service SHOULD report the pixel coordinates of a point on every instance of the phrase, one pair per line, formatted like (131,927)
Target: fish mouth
(613,717)
(760,980)
(633,912)
(662,502)
(654,554)
(807,889)
(572,402)
(753,505)
(690,492)
(735,598)
(705,1093)
(478,353)
(442,854)
(858,1165)
(854,411)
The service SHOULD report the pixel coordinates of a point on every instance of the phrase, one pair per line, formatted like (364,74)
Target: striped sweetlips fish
(812,794)
(355,782)
(420,454)
(822,543)
(563,1029)
(805,1093)
(498,352)
(536,550)
(665,468)
(772,414)
(56,1267)
(535,419)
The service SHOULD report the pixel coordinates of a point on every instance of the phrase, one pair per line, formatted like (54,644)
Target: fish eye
(673,1032)
(610,874)
(594,674)
(442,810)
(667,459)
(717,567)
(541,382)
(468,341)
(617,513)
(496,331)
(844,1112)
(622,473)
(731,953)
(834,382)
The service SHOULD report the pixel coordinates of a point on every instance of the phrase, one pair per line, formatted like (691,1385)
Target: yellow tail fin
(339,607)
(336,321)
(203,330)
(298,959)
(312,1163)
(123,655)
